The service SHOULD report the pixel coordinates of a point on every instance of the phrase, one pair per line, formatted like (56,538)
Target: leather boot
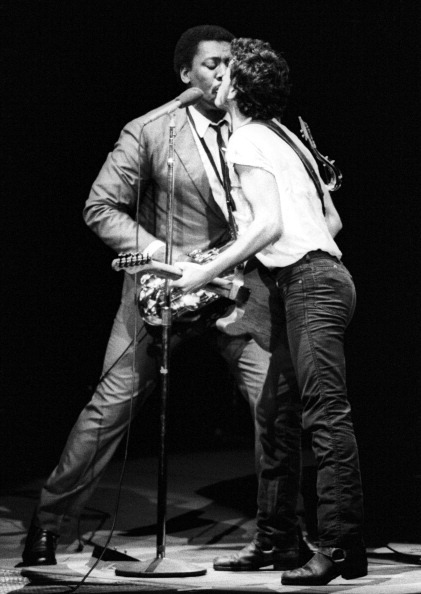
(40,547)
(253,557)
(327,564)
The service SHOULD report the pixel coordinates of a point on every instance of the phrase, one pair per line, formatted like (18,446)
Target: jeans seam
(332,439)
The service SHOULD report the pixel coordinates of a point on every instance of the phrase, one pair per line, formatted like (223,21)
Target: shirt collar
(202,123)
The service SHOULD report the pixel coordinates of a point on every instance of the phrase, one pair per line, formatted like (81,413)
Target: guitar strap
(307,164)
(224,181)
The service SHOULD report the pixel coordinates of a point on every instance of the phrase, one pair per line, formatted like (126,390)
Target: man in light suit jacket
(137,167)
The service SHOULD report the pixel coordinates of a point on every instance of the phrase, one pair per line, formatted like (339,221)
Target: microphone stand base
(158,568)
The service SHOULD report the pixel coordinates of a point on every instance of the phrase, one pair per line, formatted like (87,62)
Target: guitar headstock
(305,132)
(136,263)
(130,260)
(332,174)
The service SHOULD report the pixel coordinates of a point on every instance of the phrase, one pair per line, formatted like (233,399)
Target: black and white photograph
(210,367)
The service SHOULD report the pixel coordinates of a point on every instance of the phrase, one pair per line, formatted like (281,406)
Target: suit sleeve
(110,210)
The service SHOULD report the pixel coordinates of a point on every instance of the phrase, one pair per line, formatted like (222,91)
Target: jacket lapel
(186,149)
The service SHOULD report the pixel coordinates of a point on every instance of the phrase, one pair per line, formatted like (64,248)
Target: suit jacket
(137,167)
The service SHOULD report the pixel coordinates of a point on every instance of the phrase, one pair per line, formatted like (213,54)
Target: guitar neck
(138,264)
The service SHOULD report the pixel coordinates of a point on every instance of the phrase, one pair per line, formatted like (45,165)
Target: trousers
(318,300)
(119,396)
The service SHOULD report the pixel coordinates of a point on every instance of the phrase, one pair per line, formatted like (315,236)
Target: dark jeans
(318,297)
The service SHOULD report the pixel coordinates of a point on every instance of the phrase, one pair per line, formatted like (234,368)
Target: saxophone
(332,174)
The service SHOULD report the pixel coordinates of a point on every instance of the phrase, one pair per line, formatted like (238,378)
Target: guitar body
(205,305)
(262,314)
(185,307)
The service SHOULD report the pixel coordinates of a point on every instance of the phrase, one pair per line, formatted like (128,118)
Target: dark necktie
(221,144)
(225,174)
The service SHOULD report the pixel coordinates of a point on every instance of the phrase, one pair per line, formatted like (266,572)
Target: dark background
(75,73)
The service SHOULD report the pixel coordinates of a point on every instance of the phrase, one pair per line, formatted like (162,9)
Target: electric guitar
(184,306)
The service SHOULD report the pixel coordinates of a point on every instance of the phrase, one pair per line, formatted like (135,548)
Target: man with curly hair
(287,219)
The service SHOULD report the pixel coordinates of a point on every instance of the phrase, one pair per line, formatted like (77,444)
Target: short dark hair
(186,46)
(260,75)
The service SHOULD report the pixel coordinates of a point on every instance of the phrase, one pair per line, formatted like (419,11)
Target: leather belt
(313,255)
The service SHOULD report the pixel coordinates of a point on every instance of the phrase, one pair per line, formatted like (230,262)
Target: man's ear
(232,93)
(185,75)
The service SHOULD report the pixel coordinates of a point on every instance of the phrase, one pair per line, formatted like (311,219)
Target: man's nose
(221,70)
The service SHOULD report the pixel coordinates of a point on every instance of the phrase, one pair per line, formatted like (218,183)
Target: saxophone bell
(332,175)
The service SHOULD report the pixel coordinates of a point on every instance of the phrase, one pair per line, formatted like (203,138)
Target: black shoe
(253,557)
(326,565)
(40,547)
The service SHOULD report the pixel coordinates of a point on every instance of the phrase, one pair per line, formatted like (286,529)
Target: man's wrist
(155,250)
(159,254)
(177,255)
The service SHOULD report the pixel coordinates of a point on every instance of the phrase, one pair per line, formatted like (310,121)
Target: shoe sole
(36,563)
(309,582)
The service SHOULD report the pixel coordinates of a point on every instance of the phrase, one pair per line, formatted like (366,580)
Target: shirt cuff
(153,247)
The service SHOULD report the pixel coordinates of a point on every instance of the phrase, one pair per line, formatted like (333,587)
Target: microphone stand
(161,566)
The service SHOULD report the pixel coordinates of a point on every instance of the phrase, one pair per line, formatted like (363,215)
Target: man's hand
(194,277)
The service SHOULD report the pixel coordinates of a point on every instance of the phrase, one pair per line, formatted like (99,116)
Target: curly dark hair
(260,75)
(186,46)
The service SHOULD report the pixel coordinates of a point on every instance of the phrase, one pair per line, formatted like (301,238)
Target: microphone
(188,97)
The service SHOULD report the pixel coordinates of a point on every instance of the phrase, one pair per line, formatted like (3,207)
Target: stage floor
(210,509)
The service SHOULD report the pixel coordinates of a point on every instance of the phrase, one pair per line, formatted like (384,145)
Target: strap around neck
(224,180)
(307,164)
